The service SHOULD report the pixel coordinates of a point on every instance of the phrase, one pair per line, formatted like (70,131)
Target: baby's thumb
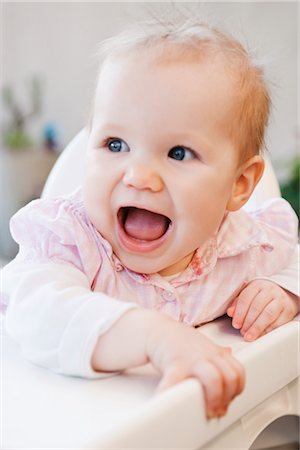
(226,351)
(231,308)
(169,378)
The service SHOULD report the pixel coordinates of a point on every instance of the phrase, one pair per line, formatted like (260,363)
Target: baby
(155,243)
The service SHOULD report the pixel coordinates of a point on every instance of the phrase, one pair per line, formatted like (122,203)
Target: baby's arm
(55,316)
(176,350)
(262,306)
(61,324)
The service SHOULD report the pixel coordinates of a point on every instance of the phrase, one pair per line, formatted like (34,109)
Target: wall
(58,41)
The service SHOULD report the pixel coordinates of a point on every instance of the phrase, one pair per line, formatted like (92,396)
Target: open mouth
(141,229)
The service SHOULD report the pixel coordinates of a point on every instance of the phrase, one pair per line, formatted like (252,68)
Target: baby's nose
(142,176)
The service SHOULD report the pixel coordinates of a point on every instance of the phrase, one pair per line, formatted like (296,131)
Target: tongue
(145,225)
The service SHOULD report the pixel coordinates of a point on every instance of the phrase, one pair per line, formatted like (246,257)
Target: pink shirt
(58,241)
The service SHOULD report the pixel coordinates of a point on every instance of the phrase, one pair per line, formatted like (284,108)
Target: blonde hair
(190,38)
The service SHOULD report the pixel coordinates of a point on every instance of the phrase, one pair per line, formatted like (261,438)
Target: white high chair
(45,410)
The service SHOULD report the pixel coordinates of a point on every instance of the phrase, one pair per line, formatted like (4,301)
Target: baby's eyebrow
(109,127)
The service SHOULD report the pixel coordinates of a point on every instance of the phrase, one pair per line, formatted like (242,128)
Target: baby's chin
(150,264)
(143,264)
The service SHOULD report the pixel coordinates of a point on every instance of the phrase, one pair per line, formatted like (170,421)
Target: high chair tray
(43,410)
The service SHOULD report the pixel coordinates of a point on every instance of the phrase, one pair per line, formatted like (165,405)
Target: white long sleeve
(288,277)
(56,317)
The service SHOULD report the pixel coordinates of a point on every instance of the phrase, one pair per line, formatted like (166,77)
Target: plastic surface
(68,170)
(45,410)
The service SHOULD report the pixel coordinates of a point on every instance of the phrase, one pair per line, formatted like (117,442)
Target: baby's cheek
(91,202)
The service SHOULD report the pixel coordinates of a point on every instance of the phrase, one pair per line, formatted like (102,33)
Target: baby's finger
(231,308)
(233,376)
(243,303)
(240,373)
(281,320)
(258,304)
(212,383)
(269,315)
(171,377)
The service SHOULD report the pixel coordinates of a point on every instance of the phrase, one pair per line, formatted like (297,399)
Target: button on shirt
(169,296)
(66,287)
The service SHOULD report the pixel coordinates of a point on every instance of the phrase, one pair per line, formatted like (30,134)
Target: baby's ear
(249,174)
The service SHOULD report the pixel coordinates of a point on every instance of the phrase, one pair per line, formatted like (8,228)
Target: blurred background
(49,66)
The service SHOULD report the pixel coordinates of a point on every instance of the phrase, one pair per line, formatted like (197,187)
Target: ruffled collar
(240,232)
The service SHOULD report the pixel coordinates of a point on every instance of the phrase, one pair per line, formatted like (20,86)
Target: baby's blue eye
(181,153)
(117,145)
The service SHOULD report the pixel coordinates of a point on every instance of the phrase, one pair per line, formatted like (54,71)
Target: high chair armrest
(177,416)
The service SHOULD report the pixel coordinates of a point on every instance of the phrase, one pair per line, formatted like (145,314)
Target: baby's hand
(182,352)
(260,307)
(176,350)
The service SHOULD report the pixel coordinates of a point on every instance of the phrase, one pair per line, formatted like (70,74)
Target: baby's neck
(178,267)
(171,277)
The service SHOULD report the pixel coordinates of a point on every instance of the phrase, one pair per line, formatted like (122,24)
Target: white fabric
(58,320)
(288,278)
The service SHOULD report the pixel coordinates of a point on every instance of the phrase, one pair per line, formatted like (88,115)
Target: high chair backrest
(68,172)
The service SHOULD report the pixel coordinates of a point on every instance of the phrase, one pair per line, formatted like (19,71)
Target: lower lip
(138,245)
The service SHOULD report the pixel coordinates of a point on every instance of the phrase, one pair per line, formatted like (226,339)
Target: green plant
(290,188)
(15,135)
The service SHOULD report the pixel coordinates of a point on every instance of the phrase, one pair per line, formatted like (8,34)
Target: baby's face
(160,163)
